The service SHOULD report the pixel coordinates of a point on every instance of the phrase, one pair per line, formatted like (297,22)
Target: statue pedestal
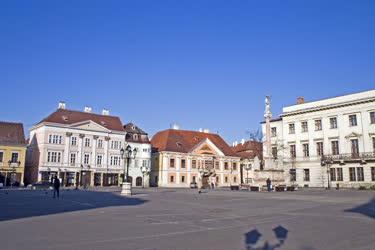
(126,189)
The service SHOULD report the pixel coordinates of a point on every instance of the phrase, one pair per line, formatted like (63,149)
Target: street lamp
(328,163)
(248,167)
(13,171)
(145,171)
(200,181)
(127,153)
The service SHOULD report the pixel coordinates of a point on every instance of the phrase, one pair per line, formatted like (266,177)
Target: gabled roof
(12,133)
(184,141)
(67,117)
(249,149)
(135,134)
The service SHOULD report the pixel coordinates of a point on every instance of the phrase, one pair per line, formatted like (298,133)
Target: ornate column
(268,116)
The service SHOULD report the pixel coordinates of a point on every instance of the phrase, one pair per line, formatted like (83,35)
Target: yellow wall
(7,154)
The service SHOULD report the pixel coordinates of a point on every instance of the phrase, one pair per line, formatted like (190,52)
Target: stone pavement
(183,219)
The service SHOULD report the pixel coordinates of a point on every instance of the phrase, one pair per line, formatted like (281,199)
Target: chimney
(62,105)
(206,130)
(301,100)
(243,141)
(87,109)
(235,143)
(175,126)
(200,130)
(105,112)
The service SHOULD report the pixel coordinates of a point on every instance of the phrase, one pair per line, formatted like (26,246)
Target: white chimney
(105,112)
(235,143)
(206,130)
(87,109)
(243,141)
(200,130)
(175,126)
(62,105)
(232,144)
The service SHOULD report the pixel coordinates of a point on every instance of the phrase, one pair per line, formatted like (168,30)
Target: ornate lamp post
(127,153)
(13,171)
(145,172)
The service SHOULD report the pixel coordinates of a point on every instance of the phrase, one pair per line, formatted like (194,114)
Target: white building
(140,167)
(326,142)
(81,148)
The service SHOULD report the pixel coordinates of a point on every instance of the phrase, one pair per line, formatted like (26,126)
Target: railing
(367,156)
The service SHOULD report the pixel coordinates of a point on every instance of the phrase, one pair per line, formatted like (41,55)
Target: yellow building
(12,154)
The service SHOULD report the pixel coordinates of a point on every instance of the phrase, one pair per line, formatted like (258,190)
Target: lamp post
(248,167)
(13,171)
(145,171)
(200,181)
(127,154)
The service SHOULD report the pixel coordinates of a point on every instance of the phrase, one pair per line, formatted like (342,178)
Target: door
(138,181)
(85,178)
(355,148)
(205,183)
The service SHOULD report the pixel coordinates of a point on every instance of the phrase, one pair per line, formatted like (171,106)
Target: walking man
(268,185)
(56,187)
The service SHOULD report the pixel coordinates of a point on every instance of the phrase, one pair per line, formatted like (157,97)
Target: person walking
(56,187)
(268,185)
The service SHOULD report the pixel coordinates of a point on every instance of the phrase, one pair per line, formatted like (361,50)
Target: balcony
(362,158)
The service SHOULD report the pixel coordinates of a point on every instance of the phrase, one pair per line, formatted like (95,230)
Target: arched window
(138,181)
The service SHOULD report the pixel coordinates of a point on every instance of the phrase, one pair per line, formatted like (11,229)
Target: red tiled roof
(12,133)
(184,141)
(65,116)
(249,149)
(132,131)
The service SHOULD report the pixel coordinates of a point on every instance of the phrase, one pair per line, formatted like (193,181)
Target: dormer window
(135,137)
(65,118)
(103,123)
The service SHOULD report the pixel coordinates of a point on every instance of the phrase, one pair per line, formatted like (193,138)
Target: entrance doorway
(85,178)
(138,181)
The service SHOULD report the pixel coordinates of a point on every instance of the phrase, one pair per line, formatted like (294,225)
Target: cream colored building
(179,156)
(326,142)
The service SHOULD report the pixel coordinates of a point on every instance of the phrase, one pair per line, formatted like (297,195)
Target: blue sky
(200,64)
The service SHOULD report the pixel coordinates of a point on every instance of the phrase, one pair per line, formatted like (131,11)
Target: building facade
(12,154)
(328,142)
(81,148)
(181,158)
(140,167)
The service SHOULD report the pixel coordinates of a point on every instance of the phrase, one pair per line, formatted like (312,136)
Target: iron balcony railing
(352,157)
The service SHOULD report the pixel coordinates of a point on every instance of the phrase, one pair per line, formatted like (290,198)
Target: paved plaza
(184,219)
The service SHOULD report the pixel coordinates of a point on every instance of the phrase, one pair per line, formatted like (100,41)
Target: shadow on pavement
(22,204)
(367,209)
(252,239)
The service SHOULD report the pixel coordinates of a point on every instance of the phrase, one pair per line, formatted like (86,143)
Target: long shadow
(367,209)
(253,239)
(23,204)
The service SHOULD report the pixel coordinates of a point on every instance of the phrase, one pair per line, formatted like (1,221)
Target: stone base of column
(126,189)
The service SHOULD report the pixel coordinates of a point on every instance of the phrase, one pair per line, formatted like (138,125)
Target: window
(14,158)
(360,176)
(291,128)
(99,159)
(274,152)
(293,151)
(234,166)
(318,125)
(226,179)
(273,131)
(115,161)
(86,159)
(115,144)
(335,147)
(217,165)
(373,173)
(171,178)
(293,174)
(306,152)
(372,117)
(194,163)
(340,176)
(194,179)
(319,148)
(73,141)
(183,179)
(55,139)
(145,163)
(235,179)
(87,142)
(53,156)
(352,120)
(72,158)
(145,150)
(304,127)
(354,147)
(332,172)
(333,122)
(306,174)
(100,143)
(171,163)
(183,163)
(225,165)
(1,156)
(373,144)
(352,174)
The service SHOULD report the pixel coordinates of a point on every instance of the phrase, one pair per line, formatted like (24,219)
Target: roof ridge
(11,122)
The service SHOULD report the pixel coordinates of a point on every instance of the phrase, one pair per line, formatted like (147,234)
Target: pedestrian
(56,187)
(268,185)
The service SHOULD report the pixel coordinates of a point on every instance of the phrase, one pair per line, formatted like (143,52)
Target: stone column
(268,116)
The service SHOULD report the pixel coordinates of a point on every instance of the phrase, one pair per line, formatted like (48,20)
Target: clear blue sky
(200,64)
